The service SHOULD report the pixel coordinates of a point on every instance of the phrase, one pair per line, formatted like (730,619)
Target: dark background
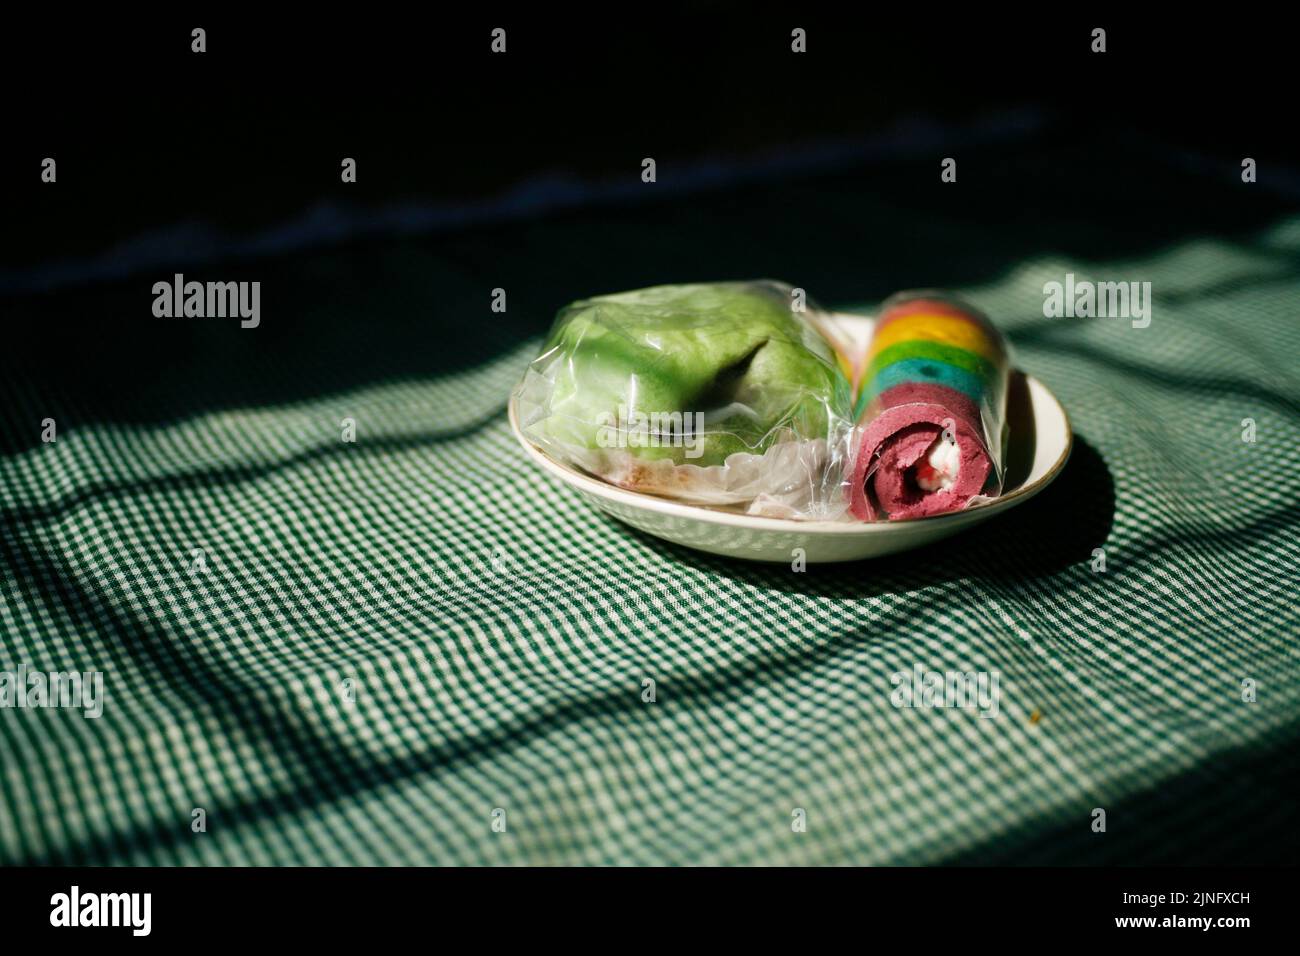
(146,132)
(225,165)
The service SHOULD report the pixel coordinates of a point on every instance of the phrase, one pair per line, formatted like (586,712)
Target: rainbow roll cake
(931,410)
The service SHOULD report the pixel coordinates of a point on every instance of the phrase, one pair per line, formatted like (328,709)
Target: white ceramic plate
(1039,446)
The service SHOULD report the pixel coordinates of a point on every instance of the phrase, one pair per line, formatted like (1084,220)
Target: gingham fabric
(415,648)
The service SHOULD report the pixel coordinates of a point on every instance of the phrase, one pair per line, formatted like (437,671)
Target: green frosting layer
(734,352)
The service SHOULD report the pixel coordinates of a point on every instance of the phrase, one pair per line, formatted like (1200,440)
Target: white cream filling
(944,459)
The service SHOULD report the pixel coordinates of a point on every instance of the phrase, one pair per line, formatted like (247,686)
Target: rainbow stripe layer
(930,348)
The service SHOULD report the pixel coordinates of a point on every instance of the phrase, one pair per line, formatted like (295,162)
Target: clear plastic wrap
(722,394)
(931,410)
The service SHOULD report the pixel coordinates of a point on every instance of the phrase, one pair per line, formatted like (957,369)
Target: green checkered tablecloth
(415,648)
